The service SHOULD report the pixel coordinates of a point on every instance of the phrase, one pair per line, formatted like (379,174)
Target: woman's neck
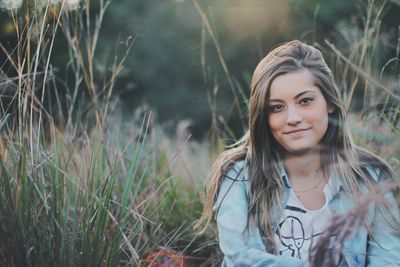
(303,166)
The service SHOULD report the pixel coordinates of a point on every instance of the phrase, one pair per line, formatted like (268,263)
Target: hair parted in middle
(263,155)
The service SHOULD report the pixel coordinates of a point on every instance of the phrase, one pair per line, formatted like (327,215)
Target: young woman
(275,193)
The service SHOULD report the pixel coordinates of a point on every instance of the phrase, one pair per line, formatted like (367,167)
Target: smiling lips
(296,131)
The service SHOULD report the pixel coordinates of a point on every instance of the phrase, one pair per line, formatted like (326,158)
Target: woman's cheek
(275,121)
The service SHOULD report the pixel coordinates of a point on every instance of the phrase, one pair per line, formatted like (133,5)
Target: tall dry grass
(78,186)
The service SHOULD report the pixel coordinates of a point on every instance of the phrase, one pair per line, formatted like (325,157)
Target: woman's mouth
(296,132)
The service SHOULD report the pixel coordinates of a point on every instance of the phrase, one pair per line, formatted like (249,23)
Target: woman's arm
(384,243)
(242,246)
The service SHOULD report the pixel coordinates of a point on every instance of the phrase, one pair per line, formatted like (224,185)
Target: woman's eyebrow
(295,97)
(275,100)
(302,93)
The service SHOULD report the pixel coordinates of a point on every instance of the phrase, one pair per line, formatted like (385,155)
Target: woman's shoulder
(236,171)
(373,171)
(234,187)
(374,166)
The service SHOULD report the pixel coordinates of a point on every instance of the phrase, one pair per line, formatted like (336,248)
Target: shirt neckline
(328,192)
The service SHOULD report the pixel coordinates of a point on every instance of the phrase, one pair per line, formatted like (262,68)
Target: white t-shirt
(301,228)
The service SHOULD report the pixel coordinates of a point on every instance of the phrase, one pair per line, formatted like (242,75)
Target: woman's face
(298,112)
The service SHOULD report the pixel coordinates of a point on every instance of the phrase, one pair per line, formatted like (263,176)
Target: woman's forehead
(292,84)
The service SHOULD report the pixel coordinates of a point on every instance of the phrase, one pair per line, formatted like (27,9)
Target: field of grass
(81,186)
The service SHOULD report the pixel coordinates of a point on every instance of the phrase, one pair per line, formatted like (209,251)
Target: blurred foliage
(165,69)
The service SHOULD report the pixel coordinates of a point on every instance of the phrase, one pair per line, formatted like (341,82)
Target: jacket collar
(284,176)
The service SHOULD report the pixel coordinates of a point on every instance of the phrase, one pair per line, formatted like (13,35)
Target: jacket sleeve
(240,245)
(384,242)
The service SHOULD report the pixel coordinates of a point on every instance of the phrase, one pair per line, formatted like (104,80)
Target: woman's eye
(276,108)
(306,100)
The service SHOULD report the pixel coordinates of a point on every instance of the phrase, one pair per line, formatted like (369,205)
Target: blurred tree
(165,69)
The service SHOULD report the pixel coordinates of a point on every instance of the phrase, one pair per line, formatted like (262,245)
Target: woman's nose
(294,116)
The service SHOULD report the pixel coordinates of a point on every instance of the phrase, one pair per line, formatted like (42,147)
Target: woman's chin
(301,150)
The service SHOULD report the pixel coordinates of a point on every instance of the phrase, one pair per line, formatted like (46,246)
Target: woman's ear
(330,109)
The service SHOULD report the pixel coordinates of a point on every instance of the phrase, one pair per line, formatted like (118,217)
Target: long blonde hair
(262,154)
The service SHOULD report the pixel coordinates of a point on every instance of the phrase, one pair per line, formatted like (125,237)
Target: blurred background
(175,68)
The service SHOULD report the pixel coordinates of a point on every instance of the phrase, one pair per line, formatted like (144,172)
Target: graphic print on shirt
(292,234)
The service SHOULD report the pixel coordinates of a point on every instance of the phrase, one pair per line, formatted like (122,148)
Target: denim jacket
(243,246)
